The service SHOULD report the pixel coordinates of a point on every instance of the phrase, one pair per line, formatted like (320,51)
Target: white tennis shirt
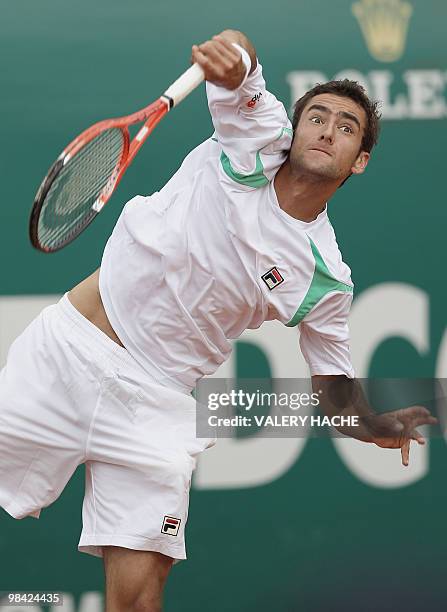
(211,254)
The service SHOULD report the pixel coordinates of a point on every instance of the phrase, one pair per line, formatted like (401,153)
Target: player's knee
(144,595)
(135,579)
(143,603)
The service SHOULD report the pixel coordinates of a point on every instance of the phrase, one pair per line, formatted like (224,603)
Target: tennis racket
(87,172)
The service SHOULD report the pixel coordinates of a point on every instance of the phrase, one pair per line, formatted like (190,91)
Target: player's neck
(300,197)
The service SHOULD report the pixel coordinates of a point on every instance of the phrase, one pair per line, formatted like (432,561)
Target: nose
(328,132)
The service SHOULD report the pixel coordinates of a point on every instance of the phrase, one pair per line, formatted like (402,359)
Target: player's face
(328,139)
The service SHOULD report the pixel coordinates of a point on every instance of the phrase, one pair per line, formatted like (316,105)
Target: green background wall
(348,545)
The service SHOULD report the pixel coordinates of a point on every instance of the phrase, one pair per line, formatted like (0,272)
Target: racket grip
(184,85)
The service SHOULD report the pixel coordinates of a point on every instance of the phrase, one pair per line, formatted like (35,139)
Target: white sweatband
(246,59)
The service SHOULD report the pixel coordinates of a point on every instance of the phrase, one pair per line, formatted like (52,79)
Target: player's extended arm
(221,61)
(344,396)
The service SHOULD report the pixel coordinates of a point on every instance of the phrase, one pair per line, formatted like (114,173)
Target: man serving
(238,236)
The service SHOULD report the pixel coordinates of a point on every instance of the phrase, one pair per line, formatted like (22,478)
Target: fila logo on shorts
(272,278)
(170,525)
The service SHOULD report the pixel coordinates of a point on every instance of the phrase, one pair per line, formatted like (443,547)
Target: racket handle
(184,85)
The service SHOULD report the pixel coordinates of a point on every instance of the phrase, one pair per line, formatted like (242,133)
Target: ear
(360,163)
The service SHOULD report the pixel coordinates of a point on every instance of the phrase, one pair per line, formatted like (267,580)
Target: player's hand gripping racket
(86,173)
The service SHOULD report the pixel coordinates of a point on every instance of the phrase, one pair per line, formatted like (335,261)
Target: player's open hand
(221,62)
(398,428)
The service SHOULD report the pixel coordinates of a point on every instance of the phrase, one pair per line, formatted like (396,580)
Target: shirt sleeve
(324,336)
(252,128)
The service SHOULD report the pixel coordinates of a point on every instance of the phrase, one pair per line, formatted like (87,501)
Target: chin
(312,168)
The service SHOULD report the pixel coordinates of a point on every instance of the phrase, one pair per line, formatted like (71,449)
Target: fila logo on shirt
(170,525)
(255,99)
(272,278)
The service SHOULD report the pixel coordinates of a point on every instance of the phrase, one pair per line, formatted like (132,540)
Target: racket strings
(68,204)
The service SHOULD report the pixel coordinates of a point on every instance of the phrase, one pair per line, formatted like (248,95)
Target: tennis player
(239,235)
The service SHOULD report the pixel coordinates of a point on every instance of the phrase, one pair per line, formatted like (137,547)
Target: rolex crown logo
(384,24)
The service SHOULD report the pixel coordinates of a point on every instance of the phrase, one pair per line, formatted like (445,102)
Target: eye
(347,129)
(316,119)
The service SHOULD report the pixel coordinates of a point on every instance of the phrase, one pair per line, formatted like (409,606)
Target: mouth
(321,151)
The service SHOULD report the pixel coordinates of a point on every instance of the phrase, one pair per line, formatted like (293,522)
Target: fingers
(405,452)
(405,448)
(416,435)
(220,61)
(412,412)
(209,59)
(404,430)
(415,416)
(417,422)
(418,411)
(226,45)
(217,53)
(415,412)
(218,50)
(199,57)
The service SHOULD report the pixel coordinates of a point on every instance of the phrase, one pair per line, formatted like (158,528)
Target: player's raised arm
(251,126)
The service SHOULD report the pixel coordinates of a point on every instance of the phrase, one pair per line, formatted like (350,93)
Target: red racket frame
(151,115)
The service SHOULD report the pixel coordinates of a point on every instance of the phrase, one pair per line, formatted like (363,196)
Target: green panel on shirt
(322,283)
(257,179)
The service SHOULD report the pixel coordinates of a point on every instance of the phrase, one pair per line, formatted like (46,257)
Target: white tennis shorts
(71,395)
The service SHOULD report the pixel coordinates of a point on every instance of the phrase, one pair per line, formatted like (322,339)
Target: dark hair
(346,89)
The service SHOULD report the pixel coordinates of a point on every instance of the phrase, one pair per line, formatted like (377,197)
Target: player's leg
(134,579)
(42,430)
(141,455)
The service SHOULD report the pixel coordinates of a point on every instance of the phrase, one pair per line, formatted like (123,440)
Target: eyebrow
(344,114)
